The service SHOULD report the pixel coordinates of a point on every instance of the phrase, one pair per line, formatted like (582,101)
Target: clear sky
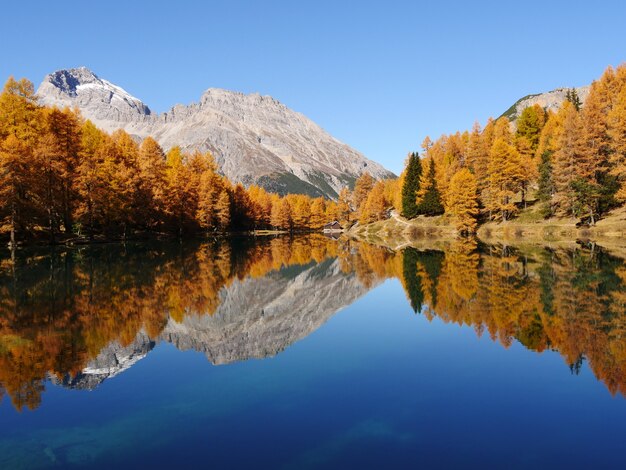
(379,76)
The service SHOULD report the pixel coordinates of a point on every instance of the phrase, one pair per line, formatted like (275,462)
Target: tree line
(571,162)
(61,176)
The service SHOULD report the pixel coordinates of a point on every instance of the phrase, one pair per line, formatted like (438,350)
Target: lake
(309,352)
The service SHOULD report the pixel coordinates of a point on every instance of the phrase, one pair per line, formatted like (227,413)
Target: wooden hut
(332,227)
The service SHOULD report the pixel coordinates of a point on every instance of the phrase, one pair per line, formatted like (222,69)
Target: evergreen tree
(429,200)
(411,280)
(411,186)
(572,97)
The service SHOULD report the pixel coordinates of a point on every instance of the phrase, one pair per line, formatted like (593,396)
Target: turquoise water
(313,353)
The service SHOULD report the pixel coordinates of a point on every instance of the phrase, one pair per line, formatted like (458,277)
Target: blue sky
(379,76)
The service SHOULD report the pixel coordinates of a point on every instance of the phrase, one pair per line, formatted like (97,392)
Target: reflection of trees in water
(59,310)
(571,301)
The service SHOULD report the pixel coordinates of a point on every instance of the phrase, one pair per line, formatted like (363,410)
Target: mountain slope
(550,100)
(254,138)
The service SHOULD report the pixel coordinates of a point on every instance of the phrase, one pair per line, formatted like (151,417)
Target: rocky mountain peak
(254,138)
(68,81)
(97,98)
(550,100)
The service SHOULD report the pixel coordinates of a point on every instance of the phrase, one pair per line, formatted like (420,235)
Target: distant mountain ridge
(550,101)
(255,139)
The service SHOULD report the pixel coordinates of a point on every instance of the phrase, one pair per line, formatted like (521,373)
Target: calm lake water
(310,352)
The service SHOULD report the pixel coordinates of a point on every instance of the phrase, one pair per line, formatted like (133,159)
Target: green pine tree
(411,186)
(572,97)
(411,280)
(430,203)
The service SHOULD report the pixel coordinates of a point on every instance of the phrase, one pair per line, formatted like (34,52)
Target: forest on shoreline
(570,163)
(63,179)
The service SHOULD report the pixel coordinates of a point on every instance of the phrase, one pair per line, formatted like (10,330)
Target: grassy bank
(398,232)
(528,229)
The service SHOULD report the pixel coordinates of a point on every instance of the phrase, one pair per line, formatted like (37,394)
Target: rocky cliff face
(550,101)
(257,318)
(98,99)
(254,138)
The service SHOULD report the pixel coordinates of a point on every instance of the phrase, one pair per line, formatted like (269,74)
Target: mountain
(550,100)
(254,138)
(256,318)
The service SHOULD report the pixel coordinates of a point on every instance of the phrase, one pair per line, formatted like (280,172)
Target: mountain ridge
(254,138)
(549,100)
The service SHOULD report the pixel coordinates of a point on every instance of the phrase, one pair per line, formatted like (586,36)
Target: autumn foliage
(62,177)
(571,162)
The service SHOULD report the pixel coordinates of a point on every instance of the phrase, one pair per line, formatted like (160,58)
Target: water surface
(310,352)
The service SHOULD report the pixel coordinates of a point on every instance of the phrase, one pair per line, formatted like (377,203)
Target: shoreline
(149,237)
(396,232)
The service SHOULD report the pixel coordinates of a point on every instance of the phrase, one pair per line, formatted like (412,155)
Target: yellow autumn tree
(505,177)
(344,208)
(617,132)
(362,188)
(281,215)
(318,213)
(375,205)
(463,201)
(569,161)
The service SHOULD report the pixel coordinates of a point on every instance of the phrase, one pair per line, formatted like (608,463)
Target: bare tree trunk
(13,217)
(90,209)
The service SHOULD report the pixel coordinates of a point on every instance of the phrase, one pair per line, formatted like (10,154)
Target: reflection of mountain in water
(256,318)
(260,317)
(112,360)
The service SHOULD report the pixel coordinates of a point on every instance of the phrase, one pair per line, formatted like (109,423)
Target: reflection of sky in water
(375,386)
